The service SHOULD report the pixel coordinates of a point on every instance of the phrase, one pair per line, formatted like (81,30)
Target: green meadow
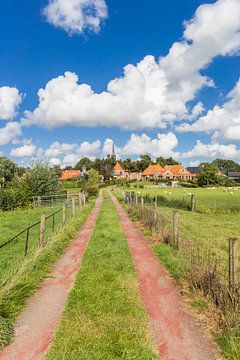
(216,199)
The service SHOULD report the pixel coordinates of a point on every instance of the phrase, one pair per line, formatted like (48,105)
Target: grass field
(213,199)
(104,318)
(21,276)
(12,223)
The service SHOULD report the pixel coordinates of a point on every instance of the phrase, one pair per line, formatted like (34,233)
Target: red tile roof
(69,174)
(153,170)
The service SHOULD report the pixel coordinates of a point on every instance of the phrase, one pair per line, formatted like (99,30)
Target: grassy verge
(207,231)
(229,341)
(31,272)
(104,318)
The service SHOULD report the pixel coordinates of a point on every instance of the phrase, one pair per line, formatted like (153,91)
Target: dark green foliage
(226,166)
(42,180)
(209,175)
(7,170)
(15,195)
(163,162)
(84,162)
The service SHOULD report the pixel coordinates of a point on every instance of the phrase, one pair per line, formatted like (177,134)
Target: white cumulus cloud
(223,121)
(10,99)
(76,16)
(213,150)
(153,92)
(10,133)
(27,150)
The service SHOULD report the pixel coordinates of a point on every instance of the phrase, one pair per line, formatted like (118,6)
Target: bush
(13,197)
(188,184)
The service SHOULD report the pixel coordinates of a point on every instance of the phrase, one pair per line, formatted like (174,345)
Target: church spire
(113,151)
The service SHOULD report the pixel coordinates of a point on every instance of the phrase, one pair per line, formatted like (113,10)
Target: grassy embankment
(104,318)
(20,276)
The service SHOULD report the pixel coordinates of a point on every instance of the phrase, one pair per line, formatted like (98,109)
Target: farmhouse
(171,172)
(119,172)
(69,174)
(152,172)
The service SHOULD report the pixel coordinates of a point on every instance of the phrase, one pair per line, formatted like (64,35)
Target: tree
(42,179)
(84,162)
(208,175)
(144,162)
(8,170)
(226,166)
(129,165)
(93,177)
(171,161)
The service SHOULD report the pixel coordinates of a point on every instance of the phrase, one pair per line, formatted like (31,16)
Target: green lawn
(20,276)
(104,318)
(216,199)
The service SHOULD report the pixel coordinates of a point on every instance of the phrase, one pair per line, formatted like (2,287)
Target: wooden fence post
(175,229)
(233,262)
(142,202)
(80,200)
(155,213)
(73,206)
(42,230)
(64,212)
(26,243)
(136,199)
(39,201)
(192,202)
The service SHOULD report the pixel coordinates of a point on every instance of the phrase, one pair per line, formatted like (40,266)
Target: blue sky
(172,99)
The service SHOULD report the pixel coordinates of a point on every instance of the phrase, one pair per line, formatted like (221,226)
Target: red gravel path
(177,335)
(37,324)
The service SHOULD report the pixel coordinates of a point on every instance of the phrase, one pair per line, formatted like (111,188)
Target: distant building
(152,172)
(194,171)
(235,175)
(119,172)
(69,174)
(168,172)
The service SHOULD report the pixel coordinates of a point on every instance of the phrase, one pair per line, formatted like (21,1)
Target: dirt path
(177,335)
(37,324)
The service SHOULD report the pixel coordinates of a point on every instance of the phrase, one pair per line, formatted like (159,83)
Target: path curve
(38,322)
(177,335)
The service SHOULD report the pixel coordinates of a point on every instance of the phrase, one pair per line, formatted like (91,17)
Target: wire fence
(27,241)
(214,272)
